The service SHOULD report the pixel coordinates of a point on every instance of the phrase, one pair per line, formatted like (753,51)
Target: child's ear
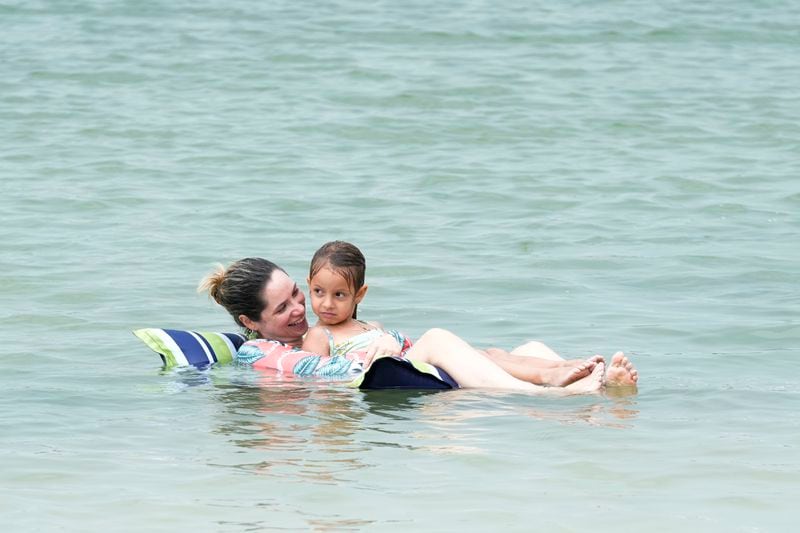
(360,294)
(308,281)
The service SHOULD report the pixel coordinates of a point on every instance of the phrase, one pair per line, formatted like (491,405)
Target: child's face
(332,297)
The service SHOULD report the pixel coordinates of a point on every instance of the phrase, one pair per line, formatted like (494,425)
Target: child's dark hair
(344,259)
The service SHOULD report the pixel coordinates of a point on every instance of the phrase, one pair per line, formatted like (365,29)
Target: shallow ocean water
(597,175)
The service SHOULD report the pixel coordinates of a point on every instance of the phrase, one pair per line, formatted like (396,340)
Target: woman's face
(284,317)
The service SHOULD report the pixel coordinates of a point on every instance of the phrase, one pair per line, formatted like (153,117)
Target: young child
(336,287)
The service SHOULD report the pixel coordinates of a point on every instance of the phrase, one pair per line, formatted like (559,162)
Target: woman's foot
(562,376)
(579,362)
(591,383)
(570,372)
(621,372)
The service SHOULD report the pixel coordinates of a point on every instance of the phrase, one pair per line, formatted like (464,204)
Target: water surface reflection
(323,429)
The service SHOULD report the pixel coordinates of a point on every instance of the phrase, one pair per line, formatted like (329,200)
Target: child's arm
(316,341)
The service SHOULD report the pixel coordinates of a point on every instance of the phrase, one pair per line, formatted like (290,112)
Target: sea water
(611,175)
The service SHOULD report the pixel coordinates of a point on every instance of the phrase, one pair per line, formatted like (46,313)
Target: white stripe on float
(202,344)
(177,353)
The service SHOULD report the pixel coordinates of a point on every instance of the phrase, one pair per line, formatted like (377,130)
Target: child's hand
(383,346)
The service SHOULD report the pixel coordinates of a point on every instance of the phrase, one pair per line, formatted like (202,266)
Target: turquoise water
(598,175)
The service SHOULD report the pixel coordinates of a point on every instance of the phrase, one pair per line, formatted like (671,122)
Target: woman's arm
(271,356)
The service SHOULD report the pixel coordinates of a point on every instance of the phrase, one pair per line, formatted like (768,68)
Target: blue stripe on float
(195,355)
(236,338)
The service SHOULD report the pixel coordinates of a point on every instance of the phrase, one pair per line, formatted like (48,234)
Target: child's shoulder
(317,330)
(317,340)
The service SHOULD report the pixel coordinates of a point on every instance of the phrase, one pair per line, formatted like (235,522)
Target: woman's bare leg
(471,368)
(537,363)
(540,371)
(537,349)
(542,353)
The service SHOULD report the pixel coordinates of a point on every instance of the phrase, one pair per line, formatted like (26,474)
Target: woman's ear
(249,324)
(360,294)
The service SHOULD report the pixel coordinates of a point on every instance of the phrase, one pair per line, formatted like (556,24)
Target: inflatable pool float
(201,349)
